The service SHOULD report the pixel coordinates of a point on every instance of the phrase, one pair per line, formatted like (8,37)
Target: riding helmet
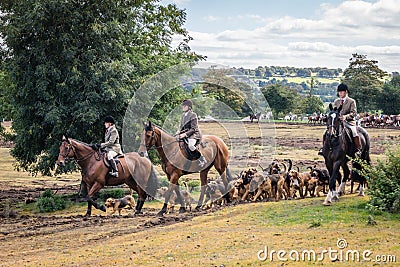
(342,87)
(187,102)
(109,119)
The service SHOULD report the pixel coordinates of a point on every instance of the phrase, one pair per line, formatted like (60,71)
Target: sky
(296,33)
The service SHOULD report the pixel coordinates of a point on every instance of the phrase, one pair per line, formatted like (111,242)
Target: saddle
(191,155)
(116,158)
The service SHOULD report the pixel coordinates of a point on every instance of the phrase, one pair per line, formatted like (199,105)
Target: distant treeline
(277,71)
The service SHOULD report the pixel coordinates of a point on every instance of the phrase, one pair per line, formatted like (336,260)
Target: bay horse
(175,161)
(135,171)
(338,146)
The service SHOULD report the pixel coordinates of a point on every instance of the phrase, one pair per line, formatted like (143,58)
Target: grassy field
(229,236)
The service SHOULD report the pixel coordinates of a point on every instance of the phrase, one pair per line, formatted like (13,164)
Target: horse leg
(346,173)
(172,184)
(332,194)
(203,183)
(93,190)
(182,209)
(141,199)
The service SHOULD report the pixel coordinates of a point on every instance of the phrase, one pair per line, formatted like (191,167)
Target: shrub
(49,202)
(384,184)
(114,193)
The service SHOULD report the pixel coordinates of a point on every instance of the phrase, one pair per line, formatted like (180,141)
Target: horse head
(148,139)
(66,151)
(333,120)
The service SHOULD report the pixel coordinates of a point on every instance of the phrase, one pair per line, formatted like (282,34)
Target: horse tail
(152,183)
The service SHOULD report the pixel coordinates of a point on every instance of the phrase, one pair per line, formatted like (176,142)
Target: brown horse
(135,171)
(175,161)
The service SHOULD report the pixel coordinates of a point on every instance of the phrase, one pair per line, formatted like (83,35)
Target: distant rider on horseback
(189,128)
(347,115)
(111,144)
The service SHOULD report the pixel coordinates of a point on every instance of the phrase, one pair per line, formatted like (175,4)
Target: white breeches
(111,154)
(192,144)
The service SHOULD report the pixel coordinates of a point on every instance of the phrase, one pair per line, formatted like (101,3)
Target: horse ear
(150,124)
(340,108)
(65,138)
(330,107)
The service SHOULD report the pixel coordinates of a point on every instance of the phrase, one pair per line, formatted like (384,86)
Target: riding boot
(113,167)
(358,145)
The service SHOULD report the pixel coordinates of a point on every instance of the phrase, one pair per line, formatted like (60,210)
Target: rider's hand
(343,118)
(181,136)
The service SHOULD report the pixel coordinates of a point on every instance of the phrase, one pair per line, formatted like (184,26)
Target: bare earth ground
(230,236)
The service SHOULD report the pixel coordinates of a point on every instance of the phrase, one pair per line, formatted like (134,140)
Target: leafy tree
(312,104)
(281,99)
(73,62)
(364,78)
(388,100)
(6,108)
(219,86)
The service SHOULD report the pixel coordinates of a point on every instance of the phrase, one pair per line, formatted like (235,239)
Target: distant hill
(326,80)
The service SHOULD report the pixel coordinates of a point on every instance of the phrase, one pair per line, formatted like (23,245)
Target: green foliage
(312,104)
(389,98)
(73,62)
(49,202)
(280,98)
(384,184)
(6,108)
(364,79)
(114,193)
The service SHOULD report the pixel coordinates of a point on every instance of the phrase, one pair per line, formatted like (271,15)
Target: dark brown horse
(175,161)
(135,171)
(338,148)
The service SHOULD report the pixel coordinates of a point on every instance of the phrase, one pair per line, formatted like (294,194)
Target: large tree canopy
(364,78)
(73,62)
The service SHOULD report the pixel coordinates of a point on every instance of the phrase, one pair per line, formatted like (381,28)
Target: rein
(76,157)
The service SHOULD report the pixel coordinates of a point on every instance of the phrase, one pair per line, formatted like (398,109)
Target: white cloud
(211,18)
(329,40)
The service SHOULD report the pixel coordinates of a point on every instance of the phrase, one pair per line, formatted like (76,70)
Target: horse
(338,146)
(135,171)
(256,116)
(175,161)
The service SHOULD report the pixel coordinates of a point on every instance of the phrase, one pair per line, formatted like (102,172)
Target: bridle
(336,133)
(154,137)
(72,148)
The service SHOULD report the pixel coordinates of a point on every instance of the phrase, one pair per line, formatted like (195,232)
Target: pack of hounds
(279,181)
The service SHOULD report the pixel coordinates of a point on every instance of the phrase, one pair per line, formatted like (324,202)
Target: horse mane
(149,128)
(80,142)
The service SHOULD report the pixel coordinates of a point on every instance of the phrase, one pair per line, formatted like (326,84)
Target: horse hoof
(326,203)
(182,210)
(198,208)
(335,199)
(138,212)
(361,195)
(161,213)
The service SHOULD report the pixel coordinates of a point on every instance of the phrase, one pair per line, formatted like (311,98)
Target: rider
(189,128)
(348,114)
(111,144)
